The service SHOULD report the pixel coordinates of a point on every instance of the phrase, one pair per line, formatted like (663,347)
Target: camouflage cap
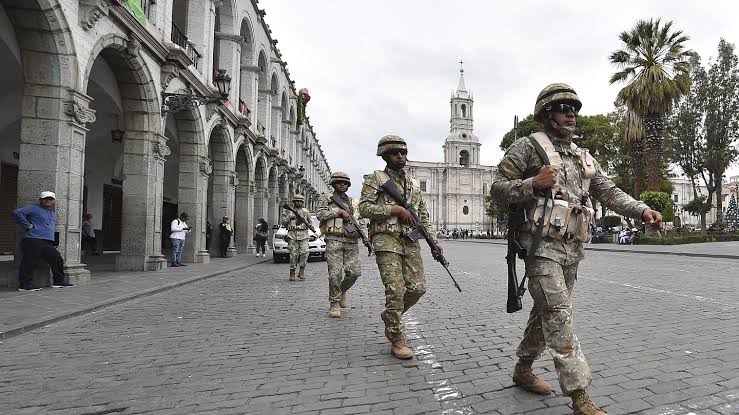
(298,198)
(339,176)
(555,93)
(390,142)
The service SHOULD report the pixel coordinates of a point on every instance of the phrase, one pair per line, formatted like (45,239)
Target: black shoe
(62,285)
(181,265)
(29,288)
(174,265)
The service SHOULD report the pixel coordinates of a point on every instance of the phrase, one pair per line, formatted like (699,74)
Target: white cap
(46,194)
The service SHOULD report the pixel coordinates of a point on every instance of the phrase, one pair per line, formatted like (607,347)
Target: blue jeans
(177,245)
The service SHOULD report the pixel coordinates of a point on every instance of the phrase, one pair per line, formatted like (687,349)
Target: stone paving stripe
(33,325)
(661,291)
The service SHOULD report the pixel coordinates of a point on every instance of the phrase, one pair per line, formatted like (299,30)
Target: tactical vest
(294,226)
(391,224)
(335,226)
(566,220)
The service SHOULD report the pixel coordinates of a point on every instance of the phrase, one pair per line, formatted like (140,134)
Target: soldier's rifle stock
(298,218)
(419,231)
(353,224)
(516,217)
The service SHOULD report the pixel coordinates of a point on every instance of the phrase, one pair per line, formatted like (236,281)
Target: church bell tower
(461,147)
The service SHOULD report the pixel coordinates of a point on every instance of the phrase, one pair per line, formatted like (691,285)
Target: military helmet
(298,198)
(555,93)
(389,143)
(339,176)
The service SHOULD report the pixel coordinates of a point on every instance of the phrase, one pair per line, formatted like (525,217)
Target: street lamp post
(172,102)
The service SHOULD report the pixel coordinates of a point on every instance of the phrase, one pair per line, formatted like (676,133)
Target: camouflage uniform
(398,258)
(297,238)
(342,253)
(552,270)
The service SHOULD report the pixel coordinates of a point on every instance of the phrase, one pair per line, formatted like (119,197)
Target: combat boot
(398,347)
(343,303)
(334,311)
(525,378)
(582,405)
(292,275)
(301,274)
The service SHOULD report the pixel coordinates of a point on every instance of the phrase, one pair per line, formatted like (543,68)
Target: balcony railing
(179,39)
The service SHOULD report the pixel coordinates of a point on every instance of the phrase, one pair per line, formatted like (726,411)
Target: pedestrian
(398,256)
(88,235)
(39,223)
(224,236)
(208,234)
(297,237)
(260,236)
(178,232)
(560,193)
(342,253)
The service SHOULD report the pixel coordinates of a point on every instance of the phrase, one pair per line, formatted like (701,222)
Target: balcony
(179,39)
(136,9)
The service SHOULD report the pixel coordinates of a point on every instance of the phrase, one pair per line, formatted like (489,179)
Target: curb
(630,251)
(33,325)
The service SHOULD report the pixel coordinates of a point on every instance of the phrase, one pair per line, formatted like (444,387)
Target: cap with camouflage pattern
(555,93)
(339,176)
(390,142)
(298,198)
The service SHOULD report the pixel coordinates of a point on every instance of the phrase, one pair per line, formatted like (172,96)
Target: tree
(732,213)
(653,61)
(525,127)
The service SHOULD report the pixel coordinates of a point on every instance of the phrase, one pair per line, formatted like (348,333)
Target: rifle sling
(547,195)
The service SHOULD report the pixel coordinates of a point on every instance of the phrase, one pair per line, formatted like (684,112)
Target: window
(485,188)
(464,111)
(423,185)
(464,158)
(675,198)
(466,210)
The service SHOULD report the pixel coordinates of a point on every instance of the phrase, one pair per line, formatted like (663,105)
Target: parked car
(316,243)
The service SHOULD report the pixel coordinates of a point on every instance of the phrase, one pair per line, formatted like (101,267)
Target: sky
(389,67)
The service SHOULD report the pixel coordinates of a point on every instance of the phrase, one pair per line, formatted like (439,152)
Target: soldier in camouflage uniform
(342,254)
(556,248)
(398,257)
(297,234)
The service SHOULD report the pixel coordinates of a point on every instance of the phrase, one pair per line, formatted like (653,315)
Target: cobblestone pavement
(660,333)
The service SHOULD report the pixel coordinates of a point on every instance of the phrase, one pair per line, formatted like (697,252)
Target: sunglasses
(396,152)
(342,183)
(563,108)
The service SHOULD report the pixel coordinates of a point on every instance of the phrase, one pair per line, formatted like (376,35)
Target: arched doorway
(247,81)
(273,208)
(243,202)
(260,191)
(221,185)
(264,100)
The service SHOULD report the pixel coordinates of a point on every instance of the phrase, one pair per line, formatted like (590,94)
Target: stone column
(229,46)
(193,191)
(141,234)
(51,157)
(222,201)
(243,222)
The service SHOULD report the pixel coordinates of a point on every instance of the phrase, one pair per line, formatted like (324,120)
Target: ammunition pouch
(563,220)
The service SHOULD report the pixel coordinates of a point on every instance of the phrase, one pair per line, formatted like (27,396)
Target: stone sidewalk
(25,311)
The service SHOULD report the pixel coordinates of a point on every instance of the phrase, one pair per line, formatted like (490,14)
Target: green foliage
(525,127)
(661,202)
(493,209)
(698,206)
(687,239)
(611,221)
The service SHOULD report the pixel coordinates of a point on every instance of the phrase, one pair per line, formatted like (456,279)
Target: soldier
(297,237)
(560,192)
(342,254)
(398,257)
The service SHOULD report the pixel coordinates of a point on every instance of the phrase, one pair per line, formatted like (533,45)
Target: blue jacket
(42,219)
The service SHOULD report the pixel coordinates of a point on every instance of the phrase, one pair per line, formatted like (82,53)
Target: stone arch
(264,97)
(273,206)
(221,185)
(243,202)
(260,189)
(248,71)
(144,150)
(275,116)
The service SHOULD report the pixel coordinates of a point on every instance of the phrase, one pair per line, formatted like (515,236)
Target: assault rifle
(299,219)
(353,225)
(516,217)
(419,231)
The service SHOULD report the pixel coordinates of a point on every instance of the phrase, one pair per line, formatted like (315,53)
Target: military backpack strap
(547,196)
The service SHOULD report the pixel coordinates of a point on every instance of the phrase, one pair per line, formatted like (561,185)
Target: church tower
(461,147)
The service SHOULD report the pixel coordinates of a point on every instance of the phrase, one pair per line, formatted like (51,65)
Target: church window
(464,111)
(464,158)
(423,185)
(466,210)
(484,188)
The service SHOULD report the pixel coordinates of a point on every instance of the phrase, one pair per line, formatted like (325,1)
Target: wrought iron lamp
(116,134)
(179,102)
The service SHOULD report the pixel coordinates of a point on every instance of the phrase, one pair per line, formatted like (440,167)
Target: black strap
(547,195)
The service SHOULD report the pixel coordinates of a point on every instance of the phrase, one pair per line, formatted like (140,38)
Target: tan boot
(292,275)
(398,347)
(525,378)
(582,405)
(334,311)
(301,274)
(343,303)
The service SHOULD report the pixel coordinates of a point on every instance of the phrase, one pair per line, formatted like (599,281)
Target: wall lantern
(116,134)
(179,102)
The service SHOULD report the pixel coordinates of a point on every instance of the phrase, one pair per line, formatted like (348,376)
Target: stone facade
(455,190)
(87,68)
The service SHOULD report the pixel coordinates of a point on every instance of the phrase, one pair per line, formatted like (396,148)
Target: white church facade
(455,189)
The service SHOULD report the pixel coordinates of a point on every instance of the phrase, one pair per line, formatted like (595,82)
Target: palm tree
(655,64)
